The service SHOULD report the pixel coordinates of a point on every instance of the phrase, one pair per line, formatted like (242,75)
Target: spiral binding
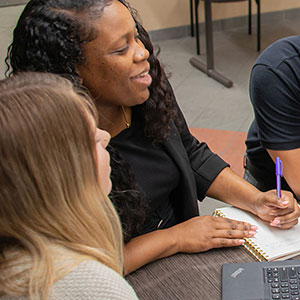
(249,245)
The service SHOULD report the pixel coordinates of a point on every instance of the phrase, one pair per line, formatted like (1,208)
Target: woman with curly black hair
(159,169)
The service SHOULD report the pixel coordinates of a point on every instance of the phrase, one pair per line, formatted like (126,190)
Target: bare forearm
(149,247)
(232,189)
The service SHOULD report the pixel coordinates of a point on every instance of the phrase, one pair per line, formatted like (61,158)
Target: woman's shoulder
(93,280)
(89,280)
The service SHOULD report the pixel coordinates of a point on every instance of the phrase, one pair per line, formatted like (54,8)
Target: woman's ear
(79,76)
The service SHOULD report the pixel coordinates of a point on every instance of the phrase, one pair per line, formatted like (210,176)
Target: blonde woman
(60,237)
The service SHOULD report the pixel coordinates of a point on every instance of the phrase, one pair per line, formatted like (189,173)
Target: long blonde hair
(50,198)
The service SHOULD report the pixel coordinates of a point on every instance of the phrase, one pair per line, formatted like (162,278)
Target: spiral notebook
(269,243)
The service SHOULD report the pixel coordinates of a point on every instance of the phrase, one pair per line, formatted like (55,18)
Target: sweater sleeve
(92,280)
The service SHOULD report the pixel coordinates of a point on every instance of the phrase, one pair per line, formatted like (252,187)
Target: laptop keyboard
(283,282)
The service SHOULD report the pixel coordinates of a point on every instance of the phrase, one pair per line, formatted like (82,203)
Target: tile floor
(216,114)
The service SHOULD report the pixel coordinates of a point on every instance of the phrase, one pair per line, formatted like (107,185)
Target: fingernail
(241,242)
(285,202)
(275,225)
(254,227)
(276,222)
(252,232)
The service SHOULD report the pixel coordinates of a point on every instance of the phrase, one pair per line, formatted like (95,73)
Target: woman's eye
(122,50)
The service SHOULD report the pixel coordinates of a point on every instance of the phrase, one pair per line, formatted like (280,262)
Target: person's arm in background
(278,119)
(291,165)
(275,97)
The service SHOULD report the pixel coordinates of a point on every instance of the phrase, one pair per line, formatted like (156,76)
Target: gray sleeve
(93,280)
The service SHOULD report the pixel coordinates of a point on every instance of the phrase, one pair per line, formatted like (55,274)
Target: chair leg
(258,24)
(192,17)
(249,17)
(197,26)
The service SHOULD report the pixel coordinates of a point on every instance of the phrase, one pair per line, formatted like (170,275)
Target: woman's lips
(143,78)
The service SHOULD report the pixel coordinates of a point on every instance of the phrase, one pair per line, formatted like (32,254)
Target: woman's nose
(141,52)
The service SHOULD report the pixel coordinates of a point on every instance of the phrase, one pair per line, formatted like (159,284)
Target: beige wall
(159,14)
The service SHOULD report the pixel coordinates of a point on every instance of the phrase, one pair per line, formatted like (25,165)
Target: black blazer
(198,167)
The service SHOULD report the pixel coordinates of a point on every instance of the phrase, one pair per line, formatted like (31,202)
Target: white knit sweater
(88,281)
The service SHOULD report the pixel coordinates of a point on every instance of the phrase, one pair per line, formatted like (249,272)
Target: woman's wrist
(174,238)
(254,206)
(249,199)
(257,202)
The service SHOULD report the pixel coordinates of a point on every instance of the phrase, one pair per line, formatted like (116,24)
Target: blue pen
(278,176)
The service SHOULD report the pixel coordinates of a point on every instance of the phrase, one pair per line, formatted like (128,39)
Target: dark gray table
(186,276)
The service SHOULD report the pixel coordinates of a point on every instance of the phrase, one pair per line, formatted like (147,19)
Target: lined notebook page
(269,243)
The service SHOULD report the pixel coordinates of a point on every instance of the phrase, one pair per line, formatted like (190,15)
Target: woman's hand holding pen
(280,212)
(206,232)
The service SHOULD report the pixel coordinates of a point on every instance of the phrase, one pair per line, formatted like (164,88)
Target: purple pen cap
(278,166)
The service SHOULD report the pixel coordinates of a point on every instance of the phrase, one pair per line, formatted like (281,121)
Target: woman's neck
(114,119)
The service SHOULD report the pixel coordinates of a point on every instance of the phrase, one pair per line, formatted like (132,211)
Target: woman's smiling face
(116,67)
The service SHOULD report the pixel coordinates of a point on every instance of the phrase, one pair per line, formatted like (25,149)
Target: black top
(275,96)
(173,176)
(155,172)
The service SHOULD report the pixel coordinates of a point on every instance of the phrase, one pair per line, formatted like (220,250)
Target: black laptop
(261,280)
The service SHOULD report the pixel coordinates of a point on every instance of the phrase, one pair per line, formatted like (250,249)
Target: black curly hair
(49,37)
